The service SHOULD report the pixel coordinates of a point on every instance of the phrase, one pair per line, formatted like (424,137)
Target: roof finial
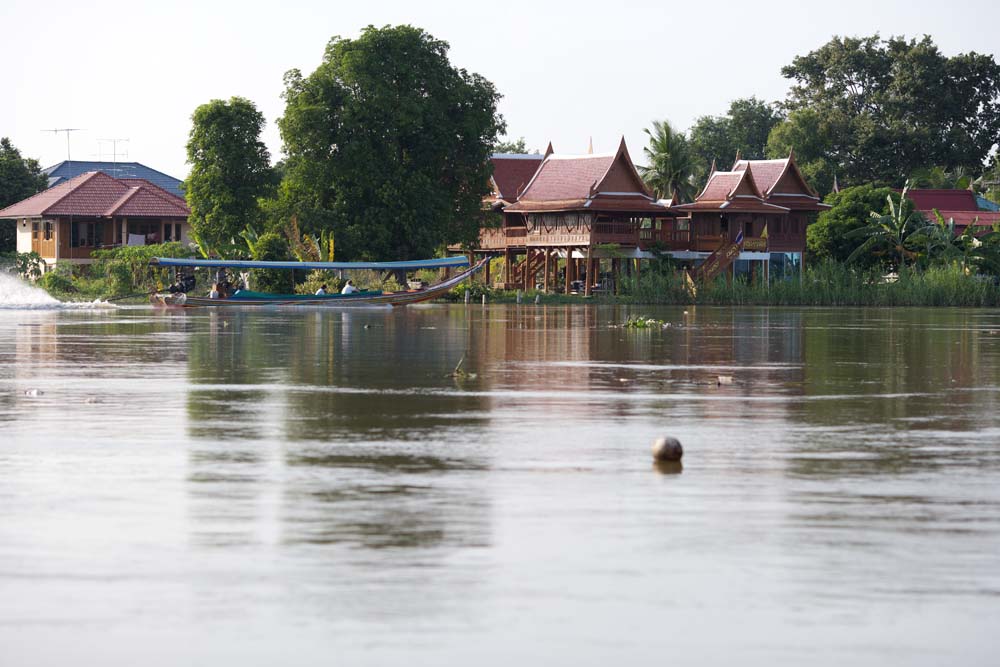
(791,153)
(836,186)
(590,146)
(548,151)
(739,155)
(711,170)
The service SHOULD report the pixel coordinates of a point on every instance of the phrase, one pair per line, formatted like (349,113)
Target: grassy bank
(828,284)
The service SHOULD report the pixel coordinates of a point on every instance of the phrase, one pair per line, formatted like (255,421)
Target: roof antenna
(67,130)
(114,152)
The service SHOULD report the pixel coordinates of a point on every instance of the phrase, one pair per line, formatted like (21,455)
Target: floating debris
(724,379)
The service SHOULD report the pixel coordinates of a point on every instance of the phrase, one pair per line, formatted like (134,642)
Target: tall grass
(826,284)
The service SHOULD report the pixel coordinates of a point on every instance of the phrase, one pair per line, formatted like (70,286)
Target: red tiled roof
(951,200)
(95,194)
(765,172)
(966,218)
(783,177)
(734,191)
(141,202)
(638,205)
(37,204)
(719,185)
(567,178)
(136,182)
(512,172)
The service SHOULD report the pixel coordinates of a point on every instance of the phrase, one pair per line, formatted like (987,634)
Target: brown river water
(315,487)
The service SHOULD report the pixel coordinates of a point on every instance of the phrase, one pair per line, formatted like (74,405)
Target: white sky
(567,70)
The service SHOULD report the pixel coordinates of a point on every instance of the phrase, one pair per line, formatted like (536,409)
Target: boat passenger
(214,294)
(349,288)
(322,290)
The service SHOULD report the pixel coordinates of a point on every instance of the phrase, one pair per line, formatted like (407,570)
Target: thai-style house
(579,220)
(511,173)
(766,205)
(67,222)
(581,209)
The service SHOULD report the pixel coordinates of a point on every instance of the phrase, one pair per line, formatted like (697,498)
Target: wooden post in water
(590,271)
(546,269)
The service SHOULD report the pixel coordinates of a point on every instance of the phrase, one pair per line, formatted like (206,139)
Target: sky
(568,71)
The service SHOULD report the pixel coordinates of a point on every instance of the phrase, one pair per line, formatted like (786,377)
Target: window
(86,234)
(684,225)
(48,230)
(34,229)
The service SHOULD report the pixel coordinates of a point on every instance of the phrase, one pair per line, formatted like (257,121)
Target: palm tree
(671,163)
(892,235)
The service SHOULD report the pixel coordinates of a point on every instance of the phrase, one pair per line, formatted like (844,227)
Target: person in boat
(214,294)
(322,290)
(349,288)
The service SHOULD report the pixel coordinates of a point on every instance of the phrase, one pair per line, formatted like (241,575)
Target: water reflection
(324,479)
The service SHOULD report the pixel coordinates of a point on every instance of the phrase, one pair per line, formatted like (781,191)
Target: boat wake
(16,294)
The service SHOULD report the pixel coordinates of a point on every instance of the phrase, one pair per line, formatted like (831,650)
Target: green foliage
(827,237)
(19,179)
(672,164)
(477,291)
(882,109)
(127,270)
(744,129)
(517,147)
(642,322)
(316,279)
(805,132)
(271,247)
(830,283)
(892,235)
(388,145)
(230,172)
(57,282)
(29,265)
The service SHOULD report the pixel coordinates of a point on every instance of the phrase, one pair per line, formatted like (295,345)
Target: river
(307,487)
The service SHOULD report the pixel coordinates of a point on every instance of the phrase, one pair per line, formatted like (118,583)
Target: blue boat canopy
(439,263)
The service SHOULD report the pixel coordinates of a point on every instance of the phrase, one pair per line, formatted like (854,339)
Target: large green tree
(388,145)
(851,208)
(230,173)
(671,168)
(883,109)
(20,178)
(744,129)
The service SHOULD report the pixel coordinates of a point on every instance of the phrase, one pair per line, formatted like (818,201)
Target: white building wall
(23,234)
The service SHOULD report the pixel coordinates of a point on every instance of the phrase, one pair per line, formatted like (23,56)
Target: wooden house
(65,223)
(765,204)
(579,210)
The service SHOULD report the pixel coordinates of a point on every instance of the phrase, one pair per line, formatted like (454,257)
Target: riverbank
(828,284)
(824,285)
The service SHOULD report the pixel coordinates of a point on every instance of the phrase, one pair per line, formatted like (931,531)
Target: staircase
(532,266)
(718,261)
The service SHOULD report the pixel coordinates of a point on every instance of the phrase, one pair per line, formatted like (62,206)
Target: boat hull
(325,301)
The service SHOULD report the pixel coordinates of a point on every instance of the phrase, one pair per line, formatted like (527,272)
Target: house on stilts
(579,221)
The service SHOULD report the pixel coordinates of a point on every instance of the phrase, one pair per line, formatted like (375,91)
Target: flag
(739,238)
(763,234)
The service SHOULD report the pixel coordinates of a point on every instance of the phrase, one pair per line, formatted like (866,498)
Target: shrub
(127,268)
(271,247)
(56,282)
(316,279)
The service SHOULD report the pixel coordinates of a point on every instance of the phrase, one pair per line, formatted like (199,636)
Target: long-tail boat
(178,297)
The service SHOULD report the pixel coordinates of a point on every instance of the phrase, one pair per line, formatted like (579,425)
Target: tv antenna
(114,149)
(67,130)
